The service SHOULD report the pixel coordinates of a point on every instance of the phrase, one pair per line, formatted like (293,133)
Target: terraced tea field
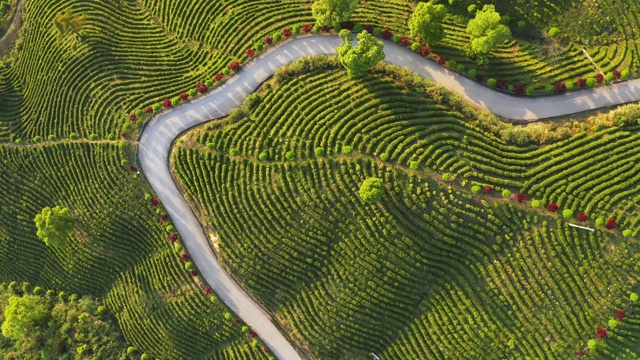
(119,249)
(434,270)
(133,54)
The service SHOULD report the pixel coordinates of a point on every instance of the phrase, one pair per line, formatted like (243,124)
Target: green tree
(21,314)
(54,225)
(486,33)
(67,21)
(332,12)
(426,22)
(371,190)
(361,58)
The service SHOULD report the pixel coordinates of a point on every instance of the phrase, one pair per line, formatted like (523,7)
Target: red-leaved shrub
(560,87)
(286,32)
(184,257)
(133,168)
(267,40)
(154,201)
(552,207)
(501,84)
(132,117)
(405,40)
(582,217)
(218,77)
(265,350)
(326,28)
(253,334)
(307,28)
(599,78)
(424,51)
(616,74)
(184,96)
(234,66)
(386,34)
(164,217)
(519,90)
(620,315)
(581,82)
(173,237)
(193,273)
(123,134)
(488,189)
(521,197)
(250,52)
(580,353)
(202,88)
(166,103)
(368,28)
(148,109)
(611,224)
(207,290)
(441,60)
(237,320)
(602,333)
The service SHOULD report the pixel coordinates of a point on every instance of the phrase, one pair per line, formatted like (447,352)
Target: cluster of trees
(487,31)
(40,325)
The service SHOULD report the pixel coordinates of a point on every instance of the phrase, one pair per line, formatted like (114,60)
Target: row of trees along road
(486,32)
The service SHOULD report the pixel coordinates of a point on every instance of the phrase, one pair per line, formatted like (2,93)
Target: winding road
(160,132)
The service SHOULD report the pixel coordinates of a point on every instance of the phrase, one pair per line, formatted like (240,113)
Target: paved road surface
(156,140)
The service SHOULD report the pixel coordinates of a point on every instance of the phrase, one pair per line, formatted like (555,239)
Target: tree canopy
(371,190)
(361,58)
(67,21)
(54,225)
(21,314)
(332,12)
(426,22)
(486,33)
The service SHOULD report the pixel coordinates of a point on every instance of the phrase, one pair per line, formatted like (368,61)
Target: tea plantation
(119,249)
(460,245)
(444,265)
(131,54)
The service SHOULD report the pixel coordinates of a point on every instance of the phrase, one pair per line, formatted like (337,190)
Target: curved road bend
(157,138)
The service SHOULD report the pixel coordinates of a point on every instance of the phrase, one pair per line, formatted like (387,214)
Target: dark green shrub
(226,72)
(319,151)
(570,85)
(124,162)
(460,68)
(472,73)
(377,31)
(415,47)
(316,29)
(530,90)
(554,31)
(156,107)
(384,156)
(452,64)
(549,88)
(38,290)
(170,228)
(211,146)
(175,101)
(414,165)
(111,137)
(289,155)
(396,38)
(506,193)
(609,77)
(347,149)
(337,28)
(277,36)
(624,74)
(296,29)
(475,189)
(258,47)
(131,350)
(263,156)
(505,19)
(358,28)
(51,137)
(234,152)
(188,265)
(492,83)
(209,83)
(192,92)
(522,24)
(472,8)
(26,287)
(591,82)
(139,112)
(37,138)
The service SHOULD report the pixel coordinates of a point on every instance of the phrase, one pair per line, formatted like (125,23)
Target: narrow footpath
(158,136)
